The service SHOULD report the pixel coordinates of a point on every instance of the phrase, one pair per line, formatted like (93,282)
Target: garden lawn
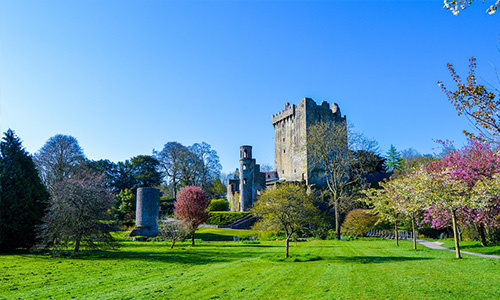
(360,269)
(473,247)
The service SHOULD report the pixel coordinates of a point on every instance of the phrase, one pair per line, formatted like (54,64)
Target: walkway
(437,246)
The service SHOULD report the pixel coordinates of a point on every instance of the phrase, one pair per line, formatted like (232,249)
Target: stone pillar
(147,212)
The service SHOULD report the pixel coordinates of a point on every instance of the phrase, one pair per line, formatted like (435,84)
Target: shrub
(358,222)
(226,217)
(220,204)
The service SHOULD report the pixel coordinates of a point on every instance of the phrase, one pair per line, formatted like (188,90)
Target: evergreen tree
(23,197)
(394,160)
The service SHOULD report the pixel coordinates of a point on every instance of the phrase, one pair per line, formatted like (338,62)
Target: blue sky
(126,77)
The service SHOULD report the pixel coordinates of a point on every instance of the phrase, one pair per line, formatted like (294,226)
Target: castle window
(284,150)
(244,181)
(283,171)
(295,171)
(283,139)
(245,153)
(244,167)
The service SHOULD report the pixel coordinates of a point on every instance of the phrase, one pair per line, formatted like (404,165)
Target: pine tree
(394,160)
(23,197)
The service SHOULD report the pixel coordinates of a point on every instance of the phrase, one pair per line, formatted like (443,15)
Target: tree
(327,146)
(190,208)
(469,164)
(172,159)
(172,230)
(394,160)
(145,171)
(77,206)
(384,208)
(476,102)
(23,197)
(286,207)
(358,222)
(207,164)
(455,5)
(124,205)
(58,158)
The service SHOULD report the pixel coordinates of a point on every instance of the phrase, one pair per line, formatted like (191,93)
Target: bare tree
(172,160)
(173,231)
(58,158)
(206,162)
(76,208)
(328,152)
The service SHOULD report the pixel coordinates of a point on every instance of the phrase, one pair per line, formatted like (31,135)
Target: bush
(358,222)
(220,204)
(226,217)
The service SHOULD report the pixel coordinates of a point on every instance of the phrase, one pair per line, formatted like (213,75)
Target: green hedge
(225,217)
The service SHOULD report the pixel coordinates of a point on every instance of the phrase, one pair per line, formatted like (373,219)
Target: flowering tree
(470,164)
(383,207)
(455,5)
(476,102)
(190,208)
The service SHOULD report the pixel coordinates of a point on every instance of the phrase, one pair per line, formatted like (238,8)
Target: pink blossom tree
(190,208)
(470,164)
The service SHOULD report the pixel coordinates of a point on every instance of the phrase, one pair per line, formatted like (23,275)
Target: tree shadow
(372,259)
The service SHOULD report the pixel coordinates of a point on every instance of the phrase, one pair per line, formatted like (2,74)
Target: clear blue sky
(124,77)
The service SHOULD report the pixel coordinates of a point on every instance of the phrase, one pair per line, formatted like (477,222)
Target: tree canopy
(23,197)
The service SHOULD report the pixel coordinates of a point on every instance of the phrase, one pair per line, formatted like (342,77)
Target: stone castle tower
(290,134)
(292,162)
(250,182)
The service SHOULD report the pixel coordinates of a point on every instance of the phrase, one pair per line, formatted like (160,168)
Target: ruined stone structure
(147,212)
(292,162)
(250,182)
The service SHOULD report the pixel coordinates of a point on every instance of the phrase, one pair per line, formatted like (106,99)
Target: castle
(291,158)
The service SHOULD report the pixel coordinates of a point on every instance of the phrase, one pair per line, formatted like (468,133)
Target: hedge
(225,217)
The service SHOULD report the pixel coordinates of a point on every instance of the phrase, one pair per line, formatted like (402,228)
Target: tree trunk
(286,246)
(455,233)
(77,245)
(396,232)
(173,243)
(414,232)
(337,219)
(482,235)
(192,238)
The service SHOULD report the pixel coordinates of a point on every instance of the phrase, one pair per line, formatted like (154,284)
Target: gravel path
(437,246)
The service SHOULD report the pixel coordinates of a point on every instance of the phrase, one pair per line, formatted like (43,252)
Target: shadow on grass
(372,259)
(179,255)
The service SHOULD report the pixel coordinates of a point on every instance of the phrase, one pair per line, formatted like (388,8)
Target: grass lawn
(360,269)
(473,247)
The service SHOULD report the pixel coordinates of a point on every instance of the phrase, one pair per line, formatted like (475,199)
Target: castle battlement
(287,112)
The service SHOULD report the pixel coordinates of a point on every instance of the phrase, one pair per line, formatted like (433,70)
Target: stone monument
(147,212)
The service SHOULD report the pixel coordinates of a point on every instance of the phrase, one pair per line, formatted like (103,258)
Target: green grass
(360,269)
(473,247)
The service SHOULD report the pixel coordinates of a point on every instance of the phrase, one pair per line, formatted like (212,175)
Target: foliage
(76,208)
(190,208)
(454,6)
(226,217)
(476,102)
(471,164)
(287,207)
(394,160)
(124,205)
(194,165)
(23,197)
(220,204)
(358,222)
(59,158)
(218,187)
(172,231)
(145,171)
